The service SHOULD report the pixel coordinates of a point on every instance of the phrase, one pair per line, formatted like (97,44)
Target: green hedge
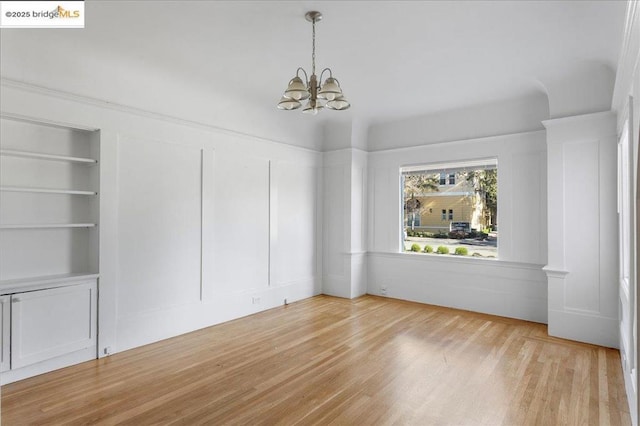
(462,251)
(443,250)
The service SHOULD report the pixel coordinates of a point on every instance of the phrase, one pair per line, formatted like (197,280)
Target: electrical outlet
(107,350)
(255,300)
(286,302)
(383,290)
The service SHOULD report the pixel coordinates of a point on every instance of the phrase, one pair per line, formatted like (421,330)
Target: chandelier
(328,92)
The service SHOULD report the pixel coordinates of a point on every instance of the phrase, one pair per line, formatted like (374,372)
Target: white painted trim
(349,149)
(493,138)
(584,327)
(630,385)
(61,94)
(555,272)
(628,60)
(571,120)
(22,285)
(42,156)
(459,259)
(202,216)
(158,324)
(46,190)
(44,121)
(47,225)
(514,291)
(450,167)
(77,357)
(272,216)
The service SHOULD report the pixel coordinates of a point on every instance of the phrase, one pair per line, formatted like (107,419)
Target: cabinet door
(5,331)
(49,323)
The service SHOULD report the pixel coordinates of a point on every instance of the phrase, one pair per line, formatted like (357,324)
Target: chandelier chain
(313,48)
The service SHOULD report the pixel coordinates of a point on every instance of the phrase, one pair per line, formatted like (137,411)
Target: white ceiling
(393,58)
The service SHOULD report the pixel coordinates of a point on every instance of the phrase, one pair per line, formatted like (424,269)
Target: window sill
(453,259)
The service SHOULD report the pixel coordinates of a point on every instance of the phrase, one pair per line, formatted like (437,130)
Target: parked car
(459,230)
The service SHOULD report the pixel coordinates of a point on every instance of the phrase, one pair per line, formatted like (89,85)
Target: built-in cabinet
(49,323)
(5,332)
(49,217)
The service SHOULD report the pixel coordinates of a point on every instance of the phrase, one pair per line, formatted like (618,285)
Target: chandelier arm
(321,73)
(306,77)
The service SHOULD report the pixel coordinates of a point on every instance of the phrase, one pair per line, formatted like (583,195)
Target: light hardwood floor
(334,361)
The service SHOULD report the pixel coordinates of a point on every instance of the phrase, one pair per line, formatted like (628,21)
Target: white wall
(583,293)
(197,225)
(588,88)
(336,280)
(626,102)
(345,183)
(514,285)
(497,118)
(82,65)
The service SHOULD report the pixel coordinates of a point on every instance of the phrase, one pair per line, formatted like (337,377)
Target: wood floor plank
(326,361)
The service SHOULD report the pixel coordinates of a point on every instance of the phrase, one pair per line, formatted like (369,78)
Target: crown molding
(595,126)
(451,142)
(577,119)
(6,82)
(628,59)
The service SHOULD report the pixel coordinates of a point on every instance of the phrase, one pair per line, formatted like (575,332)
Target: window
(450,176)
(413,220)
(471,192)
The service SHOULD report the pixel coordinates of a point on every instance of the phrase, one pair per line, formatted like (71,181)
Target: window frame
(441,168)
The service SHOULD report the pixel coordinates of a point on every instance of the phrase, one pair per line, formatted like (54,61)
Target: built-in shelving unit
(49,243)
(48,225)
(43,282)
(49,201)
(46,190)
(43,156)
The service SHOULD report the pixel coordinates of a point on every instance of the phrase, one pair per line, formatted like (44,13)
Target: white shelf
(43,282)
(49,244)
(47,225)
(42,156)
(45,190)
